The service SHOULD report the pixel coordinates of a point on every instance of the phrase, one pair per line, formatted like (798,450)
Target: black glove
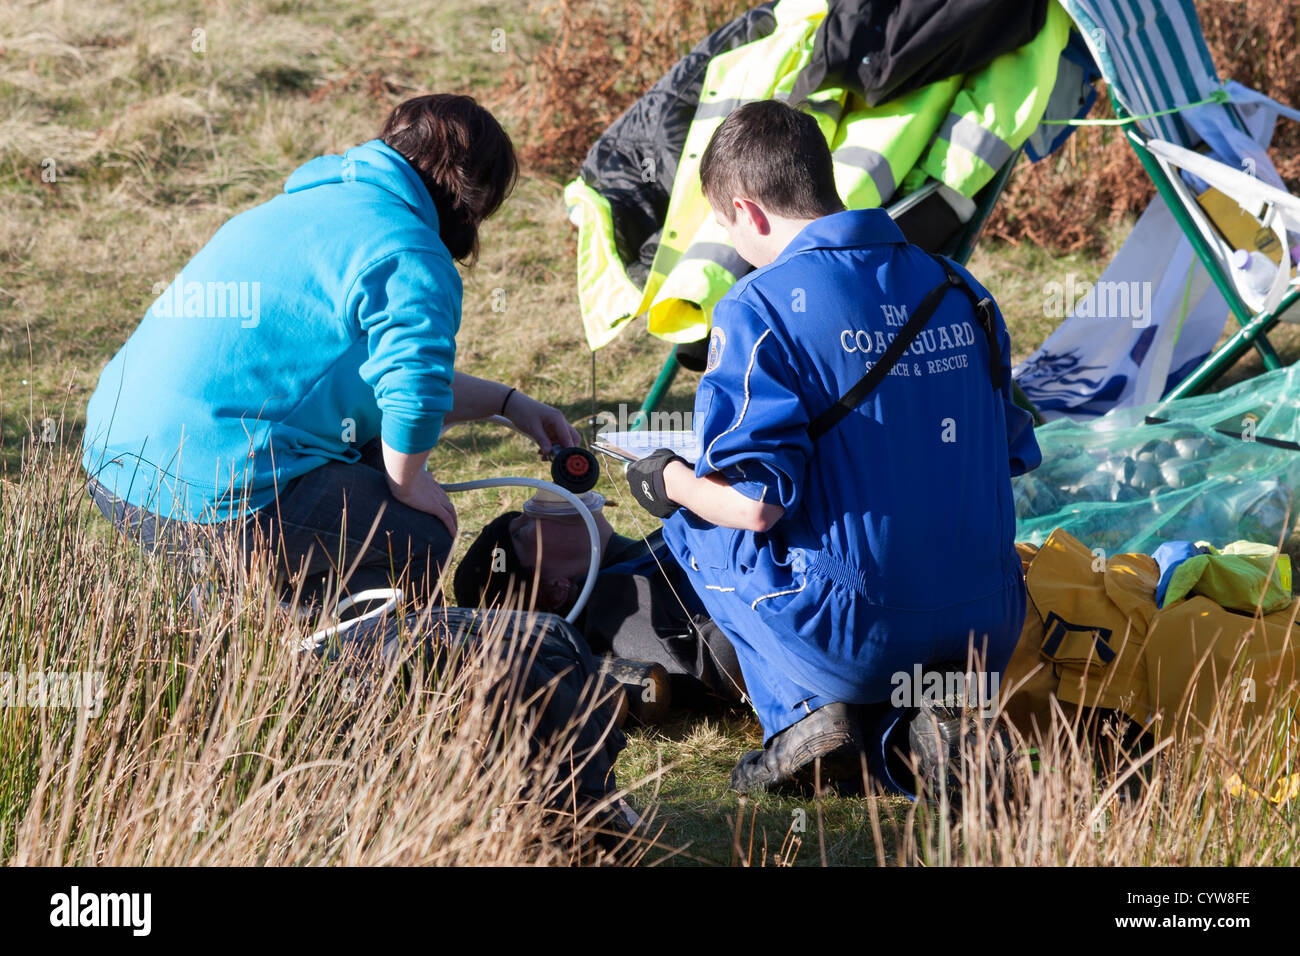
(646,479)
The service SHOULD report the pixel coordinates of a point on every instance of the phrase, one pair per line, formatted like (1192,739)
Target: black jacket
(634,162)
(653,614)
(882,50)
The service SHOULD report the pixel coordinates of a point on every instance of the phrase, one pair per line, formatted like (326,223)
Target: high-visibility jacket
(874,147)
(696,264)
(997,109)
(960,130)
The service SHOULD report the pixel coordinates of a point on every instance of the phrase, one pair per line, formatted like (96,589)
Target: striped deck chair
(1188,128)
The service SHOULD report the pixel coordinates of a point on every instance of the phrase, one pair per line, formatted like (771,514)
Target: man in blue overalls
(841,528)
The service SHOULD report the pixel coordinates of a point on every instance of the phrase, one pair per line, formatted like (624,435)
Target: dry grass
(601,58)
(1098,798)
(1087,789)
(212,741)
(215,745)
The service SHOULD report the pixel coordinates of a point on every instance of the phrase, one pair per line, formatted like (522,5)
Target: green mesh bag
(1216,467)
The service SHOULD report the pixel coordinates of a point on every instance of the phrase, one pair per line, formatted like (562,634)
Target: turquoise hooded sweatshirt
(306,326)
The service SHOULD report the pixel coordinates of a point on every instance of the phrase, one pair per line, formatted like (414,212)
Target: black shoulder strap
(984,313)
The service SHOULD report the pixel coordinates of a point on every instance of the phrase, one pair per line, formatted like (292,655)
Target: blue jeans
(337,521)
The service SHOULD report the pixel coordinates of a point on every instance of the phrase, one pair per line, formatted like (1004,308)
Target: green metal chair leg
(657,392)
(1254,328)
(1226,356)
(1021,399)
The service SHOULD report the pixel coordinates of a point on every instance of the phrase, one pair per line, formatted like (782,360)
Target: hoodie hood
(375,163)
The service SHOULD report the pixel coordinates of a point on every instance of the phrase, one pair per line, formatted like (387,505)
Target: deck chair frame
(1155,62)
(1253,327)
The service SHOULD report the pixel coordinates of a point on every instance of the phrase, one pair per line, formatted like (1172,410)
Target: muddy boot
(941,741)
(646,686)
(829,736)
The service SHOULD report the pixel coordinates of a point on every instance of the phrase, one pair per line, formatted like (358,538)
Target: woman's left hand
(543,424)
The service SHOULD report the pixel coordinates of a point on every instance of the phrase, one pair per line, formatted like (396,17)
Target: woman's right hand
(425,494)
(411,483)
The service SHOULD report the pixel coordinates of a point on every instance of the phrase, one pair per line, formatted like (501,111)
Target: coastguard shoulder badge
(717,342)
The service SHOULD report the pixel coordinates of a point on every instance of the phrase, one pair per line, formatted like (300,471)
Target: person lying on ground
(641,609)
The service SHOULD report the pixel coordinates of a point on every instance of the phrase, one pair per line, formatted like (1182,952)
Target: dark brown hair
(464,157)
(774,155)
(491,570)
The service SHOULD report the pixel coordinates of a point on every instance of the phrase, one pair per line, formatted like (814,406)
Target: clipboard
(633,446)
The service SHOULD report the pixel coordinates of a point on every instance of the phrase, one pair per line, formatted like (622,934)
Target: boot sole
(841,764)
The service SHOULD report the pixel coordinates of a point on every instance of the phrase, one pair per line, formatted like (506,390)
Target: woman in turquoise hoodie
(287,386)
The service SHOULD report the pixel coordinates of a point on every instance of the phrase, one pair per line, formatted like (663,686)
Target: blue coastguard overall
(896,546)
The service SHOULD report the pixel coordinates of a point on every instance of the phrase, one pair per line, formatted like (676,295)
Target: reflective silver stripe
(875,165)
(715,109)
(975,139)
(720,108)
(719,254)
(831,108)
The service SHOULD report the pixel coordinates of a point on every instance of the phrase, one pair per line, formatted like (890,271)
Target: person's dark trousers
(337,520)
(187,545)
(643,617)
